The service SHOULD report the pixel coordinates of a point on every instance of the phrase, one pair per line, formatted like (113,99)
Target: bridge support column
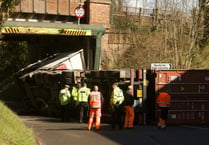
(98,52)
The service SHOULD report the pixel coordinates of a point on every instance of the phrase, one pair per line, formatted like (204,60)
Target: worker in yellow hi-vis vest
(116,103)
(64,98)
(75,103)
(83,94)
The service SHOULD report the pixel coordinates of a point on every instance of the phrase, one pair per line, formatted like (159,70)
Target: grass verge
(12,130)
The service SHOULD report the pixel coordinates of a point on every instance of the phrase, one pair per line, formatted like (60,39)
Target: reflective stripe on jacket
(64,96)
(95,99)
(117,96)
(163,100)
(83,94)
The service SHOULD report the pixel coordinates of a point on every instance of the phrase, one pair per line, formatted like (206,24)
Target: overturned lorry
(39,83)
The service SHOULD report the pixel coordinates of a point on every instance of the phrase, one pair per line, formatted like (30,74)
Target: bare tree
(182,30)
(6,7)
(203,21)
(118,5)
(175,40)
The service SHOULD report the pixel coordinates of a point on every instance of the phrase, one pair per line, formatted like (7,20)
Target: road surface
(51,131)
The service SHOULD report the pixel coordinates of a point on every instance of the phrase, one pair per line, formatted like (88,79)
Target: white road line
(200,128)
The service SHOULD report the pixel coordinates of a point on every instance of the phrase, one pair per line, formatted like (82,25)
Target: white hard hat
(67,86)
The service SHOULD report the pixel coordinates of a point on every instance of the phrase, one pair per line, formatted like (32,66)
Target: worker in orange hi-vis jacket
(95,103)
(163,102)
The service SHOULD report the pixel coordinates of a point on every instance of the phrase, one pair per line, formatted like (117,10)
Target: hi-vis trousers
(129,118)
(163,117)
(94,112)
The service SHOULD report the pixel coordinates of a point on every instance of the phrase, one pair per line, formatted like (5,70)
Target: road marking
(200,128)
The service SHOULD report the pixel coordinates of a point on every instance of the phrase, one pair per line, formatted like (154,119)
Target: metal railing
(138,11)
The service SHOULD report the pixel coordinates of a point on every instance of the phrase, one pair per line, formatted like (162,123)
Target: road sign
(79,12)
(161,66)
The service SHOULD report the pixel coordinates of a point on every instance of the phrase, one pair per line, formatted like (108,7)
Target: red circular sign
(79,11)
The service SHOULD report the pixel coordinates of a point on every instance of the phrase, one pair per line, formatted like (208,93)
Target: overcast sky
(140,3)
(151,3)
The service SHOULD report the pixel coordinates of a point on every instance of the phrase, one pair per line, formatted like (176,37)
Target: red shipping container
(189,91)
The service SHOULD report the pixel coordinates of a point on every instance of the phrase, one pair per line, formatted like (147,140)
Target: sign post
(79,13)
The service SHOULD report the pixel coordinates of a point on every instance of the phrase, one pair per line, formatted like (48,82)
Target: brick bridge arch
(50,26)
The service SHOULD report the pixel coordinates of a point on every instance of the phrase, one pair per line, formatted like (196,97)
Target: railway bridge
(53,26)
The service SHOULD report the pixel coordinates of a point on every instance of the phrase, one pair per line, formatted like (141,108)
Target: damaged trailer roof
(62,61)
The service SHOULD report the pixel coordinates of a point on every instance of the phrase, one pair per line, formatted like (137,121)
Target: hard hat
(130,87)
(67,86)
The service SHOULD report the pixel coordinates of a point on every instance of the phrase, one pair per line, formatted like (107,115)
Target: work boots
(161,124)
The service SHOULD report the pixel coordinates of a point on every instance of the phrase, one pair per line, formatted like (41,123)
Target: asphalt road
(51,131)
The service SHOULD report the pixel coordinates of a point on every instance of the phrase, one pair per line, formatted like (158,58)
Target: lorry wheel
(41,105)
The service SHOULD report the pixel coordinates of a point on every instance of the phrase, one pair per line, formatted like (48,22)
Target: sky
(151,3)
(140,3)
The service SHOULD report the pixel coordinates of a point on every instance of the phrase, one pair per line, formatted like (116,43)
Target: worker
(83,94)
(74,106)
(117,108)
(95,103)
(129,109)
(163,102)
(75,93)
(64,98)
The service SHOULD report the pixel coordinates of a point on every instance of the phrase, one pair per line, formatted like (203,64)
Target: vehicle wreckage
(39,83)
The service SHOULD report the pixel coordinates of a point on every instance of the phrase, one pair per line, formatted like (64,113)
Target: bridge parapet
(43,10)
